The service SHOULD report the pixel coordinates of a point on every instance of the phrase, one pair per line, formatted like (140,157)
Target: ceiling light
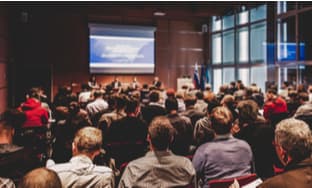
(159,13)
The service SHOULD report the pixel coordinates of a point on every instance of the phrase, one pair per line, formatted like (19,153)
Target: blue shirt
(224,157)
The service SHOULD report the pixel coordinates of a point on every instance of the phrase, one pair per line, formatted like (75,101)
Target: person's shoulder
(273,182)
(102,170)
(61,167)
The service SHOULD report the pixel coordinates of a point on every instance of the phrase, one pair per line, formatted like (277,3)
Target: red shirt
(275,106)
(36,115)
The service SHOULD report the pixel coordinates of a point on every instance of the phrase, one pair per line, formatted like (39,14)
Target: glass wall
(216,49)
(238,47)
(217,77)
(242,45)
(257,43)
(228,47)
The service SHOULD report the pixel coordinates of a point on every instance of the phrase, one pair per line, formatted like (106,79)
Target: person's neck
(173,112)
(131,115)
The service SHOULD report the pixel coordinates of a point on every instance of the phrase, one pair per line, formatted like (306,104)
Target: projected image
(124,51)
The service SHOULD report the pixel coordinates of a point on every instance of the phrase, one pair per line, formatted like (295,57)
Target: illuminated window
(243,45)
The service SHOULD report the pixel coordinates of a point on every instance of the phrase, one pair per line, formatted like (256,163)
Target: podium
(184,81)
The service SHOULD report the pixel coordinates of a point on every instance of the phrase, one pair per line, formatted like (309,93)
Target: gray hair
(295,137)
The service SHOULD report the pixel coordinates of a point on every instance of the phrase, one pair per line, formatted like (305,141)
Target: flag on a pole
(196,77)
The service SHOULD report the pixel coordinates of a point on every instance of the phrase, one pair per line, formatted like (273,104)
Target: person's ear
(13,132)
(74,148)
(148,138)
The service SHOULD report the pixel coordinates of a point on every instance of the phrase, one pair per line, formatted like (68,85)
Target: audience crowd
(149,136)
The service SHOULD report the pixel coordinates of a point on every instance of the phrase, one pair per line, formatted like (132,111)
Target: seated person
(159,167)
(154,108)
(126,137)
(258,134)
(14,160)
(191,112)
(183,126)
(80,170)
(293,145)
(40,178)
(36,115)
(225,156)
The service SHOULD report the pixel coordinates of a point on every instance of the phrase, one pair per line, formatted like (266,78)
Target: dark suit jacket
(295,175)
(16,161)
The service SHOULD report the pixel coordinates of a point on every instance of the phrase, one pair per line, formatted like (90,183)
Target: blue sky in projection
(113,49)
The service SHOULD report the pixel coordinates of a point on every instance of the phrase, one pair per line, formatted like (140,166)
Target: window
(286,42)
(242,18)
(228,75)
(217,79)
(239,47)
(243,75)
(216,24)
(259,76)
(258,42)
(216,49)
(258,13)
(283,6)
(242,45)
(228,47)
(228,22)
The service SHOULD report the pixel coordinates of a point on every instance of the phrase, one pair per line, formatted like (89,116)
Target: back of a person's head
(171,104)
(304,96)
(120,101)
(228,100)
(131,105)
(97,93)
(248,111)
(154,96)
(199,95)
(34,93)
(88,140)
(221,120)
(161,132)
(295,137)
(40,178)
(12,118)
(272,91)
(85,87)
(189,100)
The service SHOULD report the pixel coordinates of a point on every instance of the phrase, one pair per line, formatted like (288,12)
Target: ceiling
(196,10)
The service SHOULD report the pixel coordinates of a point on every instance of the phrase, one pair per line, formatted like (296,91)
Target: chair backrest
(225,183)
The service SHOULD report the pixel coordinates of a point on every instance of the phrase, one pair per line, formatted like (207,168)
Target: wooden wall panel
(3,59)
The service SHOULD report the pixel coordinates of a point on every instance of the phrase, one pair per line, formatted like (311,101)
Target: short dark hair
(40,178)
(120,101)
(34,93)
(161,132)
(154,96)
(171,104)
(272,91)
(303,96)
(221,119)
(199,95)
(131,105)
(248,111)
(12,118)
(189,100)
(97,93)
